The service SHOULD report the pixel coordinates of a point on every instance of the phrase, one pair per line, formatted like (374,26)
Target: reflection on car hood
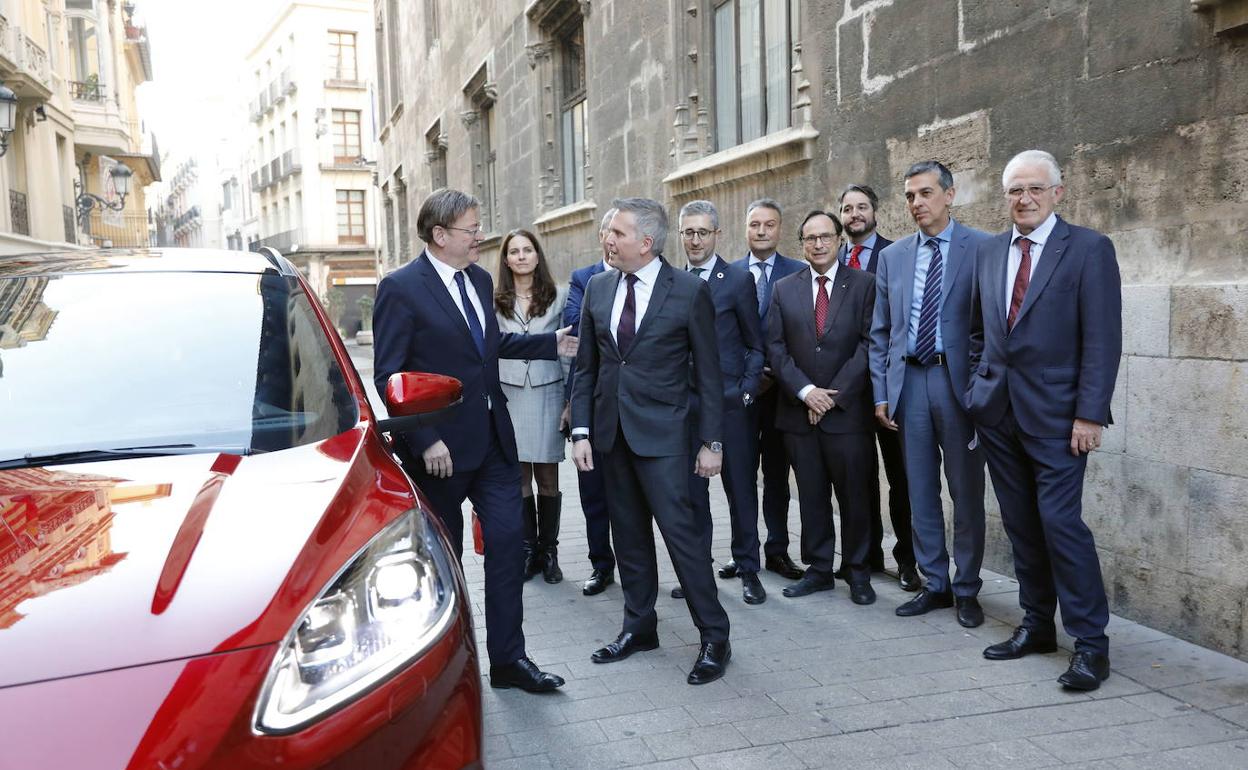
(112,564)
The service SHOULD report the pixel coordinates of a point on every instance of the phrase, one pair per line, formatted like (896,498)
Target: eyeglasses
(811,240)
(474,232)
(1035,190)
(701,235)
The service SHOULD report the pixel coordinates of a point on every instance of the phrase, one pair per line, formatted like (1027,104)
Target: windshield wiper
(114,453)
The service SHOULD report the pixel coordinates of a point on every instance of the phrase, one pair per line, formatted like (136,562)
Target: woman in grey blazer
(527,301)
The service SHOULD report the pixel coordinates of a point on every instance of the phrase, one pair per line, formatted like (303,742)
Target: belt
(937,360)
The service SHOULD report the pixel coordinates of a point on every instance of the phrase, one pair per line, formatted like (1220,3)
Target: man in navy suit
(1046,338)
(919,371)
(740,339)
(434,315)
(765,266)
(862,252)
(590,483)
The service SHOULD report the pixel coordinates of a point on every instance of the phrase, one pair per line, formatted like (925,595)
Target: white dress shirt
(814,297)
(642,289)
(447,274)
(1038,237)
(705,267)
(757,271)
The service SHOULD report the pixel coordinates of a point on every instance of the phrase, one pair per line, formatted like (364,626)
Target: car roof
(177,260)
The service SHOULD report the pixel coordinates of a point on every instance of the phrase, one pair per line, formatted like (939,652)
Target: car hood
(112,564)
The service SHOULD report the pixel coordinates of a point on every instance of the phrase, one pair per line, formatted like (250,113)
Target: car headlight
(390,602)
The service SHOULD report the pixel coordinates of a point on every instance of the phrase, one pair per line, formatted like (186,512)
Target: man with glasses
(818,328)
(433,315)
(1046,337)
(765,266)
(919,370)
(740,339)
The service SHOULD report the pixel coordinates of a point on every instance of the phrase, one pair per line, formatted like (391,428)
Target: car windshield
(155,362)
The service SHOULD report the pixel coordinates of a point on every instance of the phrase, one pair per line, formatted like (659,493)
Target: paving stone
(1216,694)
(680,693)
(647,723)
(754,758)
(787,727)
(737,710)
(1015,754)
(626,753)
(813,698)
(853,749)
(700,740)
(1028,694)
(543,740)
(752,685)
(607,706)
(944,705)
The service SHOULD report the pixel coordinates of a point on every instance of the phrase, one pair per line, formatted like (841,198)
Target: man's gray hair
(606,220)
(941,171)
(651,219)
(1027,158)
(441,209)
(700,209)
(764,203)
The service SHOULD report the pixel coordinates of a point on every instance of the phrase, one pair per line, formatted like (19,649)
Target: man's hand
(708,462)
(881,416)
(813,416)
(565,342)
(565,416)
(437,460)
(1084,437)
(821,400)
(583,455)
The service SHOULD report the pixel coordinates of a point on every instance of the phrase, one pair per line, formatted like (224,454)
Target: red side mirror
(413,393)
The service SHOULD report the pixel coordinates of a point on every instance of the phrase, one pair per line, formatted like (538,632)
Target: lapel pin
(719,275)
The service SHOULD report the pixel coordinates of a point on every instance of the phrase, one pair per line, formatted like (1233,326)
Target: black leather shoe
(1024,641)
(712,660)
(598,581)
(524,674)
(812,581)
(861,593)
(678,593)
(752,589)
(1087,671)
(728,571)
(783,566)
(624,645)
(908,576)
(925,602)
(970,614)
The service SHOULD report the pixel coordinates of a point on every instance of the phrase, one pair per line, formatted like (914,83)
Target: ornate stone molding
(579,213)
(469,117)
(539,52)
(765,154)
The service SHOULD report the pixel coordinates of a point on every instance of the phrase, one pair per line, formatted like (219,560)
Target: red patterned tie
(1021,281)
(853,257)
(821,305)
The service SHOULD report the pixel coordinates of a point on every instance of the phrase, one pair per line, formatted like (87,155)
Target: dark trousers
(738,477)
(898,501)
(773,458)
(494,490)
(823,462)
(642,491)
(1039,485)
(597,522)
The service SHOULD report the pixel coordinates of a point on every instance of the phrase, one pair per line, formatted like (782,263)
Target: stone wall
(1142,101)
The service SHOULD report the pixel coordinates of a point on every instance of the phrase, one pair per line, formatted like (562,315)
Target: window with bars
(350,217)
(346,136)
(573,128)
(342,62)
(753,52)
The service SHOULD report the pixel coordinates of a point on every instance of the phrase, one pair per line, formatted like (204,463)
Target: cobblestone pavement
(820,682)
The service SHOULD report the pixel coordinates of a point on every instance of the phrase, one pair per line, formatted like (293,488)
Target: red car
(208,556)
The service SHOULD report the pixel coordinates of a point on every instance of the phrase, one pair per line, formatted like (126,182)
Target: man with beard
(858,206)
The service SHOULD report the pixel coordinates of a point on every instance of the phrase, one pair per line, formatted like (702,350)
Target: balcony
(290,163)
(19,212)
(254,111)
(345,78)
(264,177)
(31,78)
(188,220)
(86,91)
(283,242)
(255,180)
(265,105)
(119,231)
(288,82)
(276,94)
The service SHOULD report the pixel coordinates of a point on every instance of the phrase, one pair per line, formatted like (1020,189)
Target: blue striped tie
(760,288)
(929,313)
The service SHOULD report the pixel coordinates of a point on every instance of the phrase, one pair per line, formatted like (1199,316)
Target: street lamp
(86,201)
(8,116)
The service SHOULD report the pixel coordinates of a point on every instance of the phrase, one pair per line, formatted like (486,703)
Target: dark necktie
(698,271)
(760,288)
(1021,281)
(627,328)
(821,305)
(853,257)
(929,311)
(474,323)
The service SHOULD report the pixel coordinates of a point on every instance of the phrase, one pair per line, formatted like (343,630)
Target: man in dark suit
(919,370)
(590,483)
(765,265)
(817,336)
(740,342)
(858,206)
(1046,337)
(434,315)
(643,324)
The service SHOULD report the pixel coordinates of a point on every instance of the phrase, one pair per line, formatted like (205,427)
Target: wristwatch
(714,446)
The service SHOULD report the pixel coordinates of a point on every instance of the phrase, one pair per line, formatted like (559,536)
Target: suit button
(526,360)
(623,363)
(817,348)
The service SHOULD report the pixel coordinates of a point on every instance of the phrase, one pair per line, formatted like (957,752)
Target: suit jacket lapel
(485,295)
(441,295)
(997,277)
(606,304)
(662,286)
(911,252)
(954,261)
(1050,255)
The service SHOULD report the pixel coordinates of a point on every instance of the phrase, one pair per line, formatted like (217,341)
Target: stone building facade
(548,109)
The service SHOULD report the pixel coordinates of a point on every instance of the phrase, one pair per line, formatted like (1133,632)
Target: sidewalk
(820,682)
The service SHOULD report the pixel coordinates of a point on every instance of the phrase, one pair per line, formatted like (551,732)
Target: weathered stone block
(1189,412)
(1145,321)
(897,41)
(1218,528)
(1146,255)
(1125,33)
(1210,321)
(849,59)
(1160,97)
(1138,508)
(1207,612)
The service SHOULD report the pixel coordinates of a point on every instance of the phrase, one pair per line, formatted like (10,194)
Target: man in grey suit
(919,370)
(643,323)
